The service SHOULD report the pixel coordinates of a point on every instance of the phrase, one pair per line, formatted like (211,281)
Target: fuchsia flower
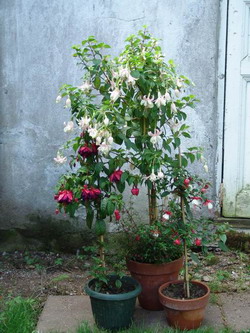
(90,193)
(135,191)
(197,242)
(64,196)
(57,211)
(137,237)
(177,241)
(86,150)
(166,215)
(196,201)
(115,177)
(117,215)
(209,204)
(186,181)
(155,233)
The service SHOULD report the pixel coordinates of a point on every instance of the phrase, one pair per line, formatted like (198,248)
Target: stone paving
(64,314)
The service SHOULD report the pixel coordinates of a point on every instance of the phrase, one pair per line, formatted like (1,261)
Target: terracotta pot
(187,313)
(151,277)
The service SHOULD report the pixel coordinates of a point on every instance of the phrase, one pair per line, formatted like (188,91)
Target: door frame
(221,98)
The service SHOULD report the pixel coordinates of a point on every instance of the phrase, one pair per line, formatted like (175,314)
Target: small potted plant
(184,301)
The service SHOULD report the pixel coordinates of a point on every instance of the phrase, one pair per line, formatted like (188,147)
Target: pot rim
(193,300)
(158,265)
(114,297)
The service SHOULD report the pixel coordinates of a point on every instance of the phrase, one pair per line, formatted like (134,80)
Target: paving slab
(65,313)
(236,308)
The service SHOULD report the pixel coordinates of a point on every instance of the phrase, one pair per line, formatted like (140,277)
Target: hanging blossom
(84,123)
(124,72)
(115,94)
(167,96)
(86,87)
(60,159)
(196,201)
(173,108)
(93,132)
(104,148)
(160,174)
(166,215)
(68,103)
(58,99)
(69,126)
(161,100)
(147,102)
(179,83)
(209,204)
(177,92)
(155,137)
(205,167)
(106,121)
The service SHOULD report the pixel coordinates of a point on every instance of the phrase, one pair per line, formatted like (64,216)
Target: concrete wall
(36,39)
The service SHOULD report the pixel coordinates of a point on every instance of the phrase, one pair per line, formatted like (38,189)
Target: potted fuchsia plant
(128,116)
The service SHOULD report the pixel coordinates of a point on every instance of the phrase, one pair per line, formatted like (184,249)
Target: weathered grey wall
(36,39)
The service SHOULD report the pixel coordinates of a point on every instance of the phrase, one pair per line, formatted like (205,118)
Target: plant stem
(153,205)
(101,250)
(186,276)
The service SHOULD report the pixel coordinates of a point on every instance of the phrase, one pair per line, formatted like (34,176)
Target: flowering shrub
(128,116)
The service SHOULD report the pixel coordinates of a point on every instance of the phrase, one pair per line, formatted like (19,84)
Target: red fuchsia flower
(177,241)
(90,193)
(197,242)
(166,215)
(115,177)
(135,191)
(117,215)
(186,182)
(137,237)
(57,211)
(64,196)
(94,148)
(94,193)
(85,151)
(209,204)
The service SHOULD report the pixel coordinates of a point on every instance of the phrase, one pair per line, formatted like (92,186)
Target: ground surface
(39,274)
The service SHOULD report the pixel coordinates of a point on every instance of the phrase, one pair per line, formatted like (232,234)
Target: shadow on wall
(46,234)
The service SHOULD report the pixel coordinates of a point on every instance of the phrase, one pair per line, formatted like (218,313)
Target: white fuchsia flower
(131,80)
(160,175)
(110,140)
(147,102)
(152,177)
(155,137)
(115,94)
(86,87)
(166,215)
(106,121)
(60,159)
(69,126)
(84,123)
(161,100)
(179,83)
(124,72)
(155,233)
(104,148)
(98,140)
(173,108)
(205,167)
(177,92)
(93,132)
(68,103)
(167,96)
(58,99)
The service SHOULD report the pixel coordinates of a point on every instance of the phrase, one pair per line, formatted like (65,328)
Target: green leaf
(135,74)
(97,82)
(222,246)
(99,167)
(110,207)
(223,238)
(120,186)
(195,258)
(89,217)
(124,176)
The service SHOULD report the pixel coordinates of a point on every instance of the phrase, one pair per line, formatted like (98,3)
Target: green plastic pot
(113,312)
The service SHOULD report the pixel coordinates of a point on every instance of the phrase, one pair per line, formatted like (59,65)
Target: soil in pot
(115,286)
(184,313)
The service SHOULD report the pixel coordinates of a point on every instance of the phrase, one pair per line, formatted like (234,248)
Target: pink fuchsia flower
(177,241)
(64,196)
(117,215)
(91,193)
(166,215)
(115,177)
(135,191)
(186,181)
(197,242)
(209,204)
